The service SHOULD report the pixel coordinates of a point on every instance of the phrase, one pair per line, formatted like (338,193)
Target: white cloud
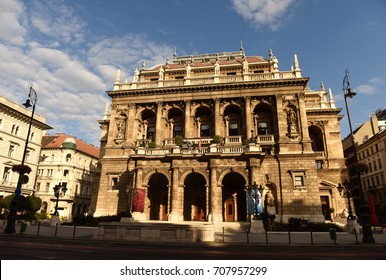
(11,25)
(263,12)
(126,53)
(58,21)
(70,81)
(369,88)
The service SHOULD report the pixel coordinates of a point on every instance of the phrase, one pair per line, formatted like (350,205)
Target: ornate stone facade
(241,123)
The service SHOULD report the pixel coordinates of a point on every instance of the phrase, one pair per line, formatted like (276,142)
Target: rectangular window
(38,187)
(11,150)
(7,174)
(205,130)
(319,164)
(177,130)
(233,129)
(262,128)
(299,180)
(47,187)
(27,155)
(65,173)
(151,133)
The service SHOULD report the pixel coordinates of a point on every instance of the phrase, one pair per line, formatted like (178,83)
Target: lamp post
(344,195)
(365,212)
(59,191)
(13,208)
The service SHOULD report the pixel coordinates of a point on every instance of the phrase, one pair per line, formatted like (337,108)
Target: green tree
(34,203)
(217,139)
(179,140)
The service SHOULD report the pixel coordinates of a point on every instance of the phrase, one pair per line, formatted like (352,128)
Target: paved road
(16,247)
(69,243)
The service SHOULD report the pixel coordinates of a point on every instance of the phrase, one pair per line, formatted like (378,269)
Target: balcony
(206,80)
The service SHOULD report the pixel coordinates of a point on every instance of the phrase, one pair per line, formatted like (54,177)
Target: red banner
(139,201)
(373,216)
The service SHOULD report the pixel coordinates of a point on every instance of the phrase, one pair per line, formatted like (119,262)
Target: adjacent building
(14,124)
(72,163)
(370,146)
(188,139)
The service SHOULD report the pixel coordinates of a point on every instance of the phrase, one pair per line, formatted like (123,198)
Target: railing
(192,141)
(231,140)
(207,80)
(265,139)
(230,150)
(157,152)
(320,154)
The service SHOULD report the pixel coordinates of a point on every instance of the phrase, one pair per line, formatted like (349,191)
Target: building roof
(56,141)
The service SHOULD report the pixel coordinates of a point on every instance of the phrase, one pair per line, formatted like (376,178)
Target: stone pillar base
(174,217)
(54,220)
(351,225)
(257,226)
(214,218)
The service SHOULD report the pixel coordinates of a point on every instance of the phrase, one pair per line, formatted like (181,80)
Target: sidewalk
(271,238)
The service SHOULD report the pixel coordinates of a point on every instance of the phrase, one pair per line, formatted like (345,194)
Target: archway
(234,198)
(195,198)
(158,196)
(316,135)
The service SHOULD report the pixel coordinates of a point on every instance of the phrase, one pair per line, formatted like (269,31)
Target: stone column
(158,125)
(226,119)
(307,147)
(171,122)
(187,128)
(217,120)
(215,212)
(175,201)
(281,117)
(248,125)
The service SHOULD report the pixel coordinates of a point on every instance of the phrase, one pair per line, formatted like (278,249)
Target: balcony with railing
(205,80)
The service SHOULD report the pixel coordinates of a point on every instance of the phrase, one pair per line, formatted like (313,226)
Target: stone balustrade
(206,80)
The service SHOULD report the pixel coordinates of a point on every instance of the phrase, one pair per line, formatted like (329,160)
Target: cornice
(210,87)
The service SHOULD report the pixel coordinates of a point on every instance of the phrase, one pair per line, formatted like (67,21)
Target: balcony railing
(206,80)
(212,149)
(265,139)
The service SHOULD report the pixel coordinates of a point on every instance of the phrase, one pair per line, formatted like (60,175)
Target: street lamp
(346,194)
(11,219)
(365,212)
(59,191)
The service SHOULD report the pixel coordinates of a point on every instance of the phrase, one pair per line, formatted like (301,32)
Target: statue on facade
(188,70)
(135,77)
(269,199)
(121,125)
(161,73)
(292,120)
(217,68)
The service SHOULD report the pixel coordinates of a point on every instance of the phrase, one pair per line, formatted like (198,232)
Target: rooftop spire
(298,72)
(106,113)
(117,80)
(331,97)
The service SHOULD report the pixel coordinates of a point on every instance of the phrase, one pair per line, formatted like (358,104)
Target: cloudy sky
(70,49)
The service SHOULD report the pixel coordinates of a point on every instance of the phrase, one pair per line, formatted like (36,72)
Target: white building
(14,123)
(72,163)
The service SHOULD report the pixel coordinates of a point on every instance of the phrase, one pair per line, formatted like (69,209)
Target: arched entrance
(234,198)
(195,198)
(158,196)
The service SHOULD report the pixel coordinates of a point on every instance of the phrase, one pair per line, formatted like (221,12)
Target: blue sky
(70,50)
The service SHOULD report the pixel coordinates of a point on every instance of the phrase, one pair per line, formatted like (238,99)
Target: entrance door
(325,207)
(229,210)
